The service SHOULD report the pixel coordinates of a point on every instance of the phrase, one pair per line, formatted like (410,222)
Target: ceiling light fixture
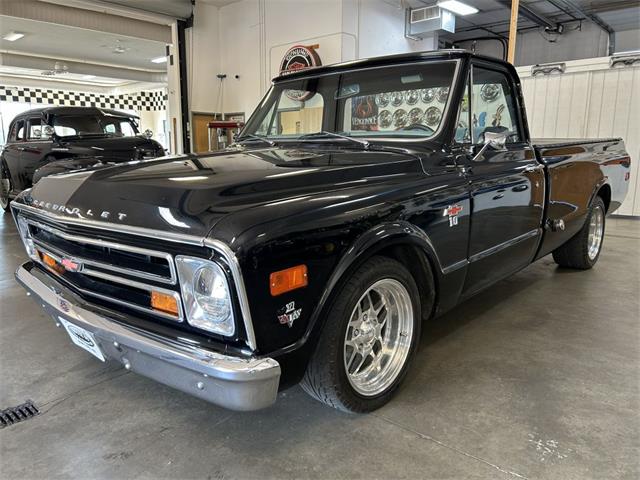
(459,8)
(159,60)
(13,36)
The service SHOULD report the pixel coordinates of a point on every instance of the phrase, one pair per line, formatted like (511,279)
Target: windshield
(79,125)
(395,101)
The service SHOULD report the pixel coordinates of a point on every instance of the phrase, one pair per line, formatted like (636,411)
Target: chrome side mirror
(148,133)
(493,140)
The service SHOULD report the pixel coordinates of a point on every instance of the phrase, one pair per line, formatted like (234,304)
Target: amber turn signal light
(164,303)
(51,263)
(287,280)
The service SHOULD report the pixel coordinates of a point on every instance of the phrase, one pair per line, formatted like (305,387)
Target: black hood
(189,195)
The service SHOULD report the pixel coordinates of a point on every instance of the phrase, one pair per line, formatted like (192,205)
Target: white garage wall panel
(589,100)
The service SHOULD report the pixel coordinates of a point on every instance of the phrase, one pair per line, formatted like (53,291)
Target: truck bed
(542,143)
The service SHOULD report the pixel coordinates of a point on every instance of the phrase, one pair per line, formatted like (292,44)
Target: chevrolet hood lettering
(77,212)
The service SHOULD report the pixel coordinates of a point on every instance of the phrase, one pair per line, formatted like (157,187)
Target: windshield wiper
(364,143)
(251,136)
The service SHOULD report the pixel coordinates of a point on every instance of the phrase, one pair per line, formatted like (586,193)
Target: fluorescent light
(88,77)
(159,60)
(13,36)
(457,7)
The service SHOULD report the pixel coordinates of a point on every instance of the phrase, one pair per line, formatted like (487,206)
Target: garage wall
(253,36)
(589,100)
(533,47)
(628,40)
(203,45)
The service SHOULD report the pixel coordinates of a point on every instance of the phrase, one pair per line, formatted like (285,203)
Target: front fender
(367,245)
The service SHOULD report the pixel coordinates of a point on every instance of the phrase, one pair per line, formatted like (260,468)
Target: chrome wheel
(378,337)
(596,232)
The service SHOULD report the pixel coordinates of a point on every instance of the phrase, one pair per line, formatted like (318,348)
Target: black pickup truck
(50,140)
(360,200)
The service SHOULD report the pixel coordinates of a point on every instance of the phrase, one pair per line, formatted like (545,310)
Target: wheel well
(421,268)
(605,194)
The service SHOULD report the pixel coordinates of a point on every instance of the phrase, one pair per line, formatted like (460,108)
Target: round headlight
(206,295)
(210,291)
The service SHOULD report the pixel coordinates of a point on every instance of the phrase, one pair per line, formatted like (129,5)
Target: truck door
(506,184)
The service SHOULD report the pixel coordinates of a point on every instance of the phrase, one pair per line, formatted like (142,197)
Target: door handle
(520,188)
(22,149)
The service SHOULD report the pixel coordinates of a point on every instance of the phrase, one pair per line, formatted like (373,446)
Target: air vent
(424,14)
(18,414)
(423,21)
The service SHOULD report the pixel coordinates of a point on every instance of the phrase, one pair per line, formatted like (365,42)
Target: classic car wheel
(5,188)
(583,250)
(377,340)
(370,336)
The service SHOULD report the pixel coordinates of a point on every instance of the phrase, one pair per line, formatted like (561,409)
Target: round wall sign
(297,58)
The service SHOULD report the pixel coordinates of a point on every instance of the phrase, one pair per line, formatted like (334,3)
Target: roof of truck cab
(56,110)
(398,59)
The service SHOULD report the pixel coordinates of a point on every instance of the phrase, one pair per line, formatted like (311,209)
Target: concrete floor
(538,377)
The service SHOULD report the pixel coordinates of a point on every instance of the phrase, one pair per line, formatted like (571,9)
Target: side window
(493,106)
(35,130)
(18,133)
(127,129)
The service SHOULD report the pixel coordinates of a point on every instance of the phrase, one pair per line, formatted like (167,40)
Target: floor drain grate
(18,414)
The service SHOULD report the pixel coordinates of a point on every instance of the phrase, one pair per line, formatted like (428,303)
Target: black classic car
(52,140)
(360,200)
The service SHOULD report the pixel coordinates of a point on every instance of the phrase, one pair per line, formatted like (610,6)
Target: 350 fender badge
(289,314)
(452,212)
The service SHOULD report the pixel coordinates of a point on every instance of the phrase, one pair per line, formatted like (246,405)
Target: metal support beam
(184,93)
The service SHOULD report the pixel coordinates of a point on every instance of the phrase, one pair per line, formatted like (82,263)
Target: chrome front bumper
(237,383)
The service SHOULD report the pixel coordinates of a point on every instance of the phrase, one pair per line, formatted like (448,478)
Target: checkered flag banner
(152,100)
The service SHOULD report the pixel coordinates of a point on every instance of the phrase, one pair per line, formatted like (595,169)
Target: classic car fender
(397,238)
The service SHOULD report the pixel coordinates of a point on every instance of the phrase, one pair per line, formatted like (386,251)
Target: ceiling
(172,8)
(63,42)
(34,74)
(493,16)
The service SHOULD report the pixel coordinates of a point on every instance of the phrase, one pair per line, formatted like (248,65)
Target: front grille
(110,271)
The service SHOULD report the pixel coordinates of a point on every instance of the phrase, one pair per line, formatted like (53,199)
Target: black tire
(576,252)
(326,377)
(5,188)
